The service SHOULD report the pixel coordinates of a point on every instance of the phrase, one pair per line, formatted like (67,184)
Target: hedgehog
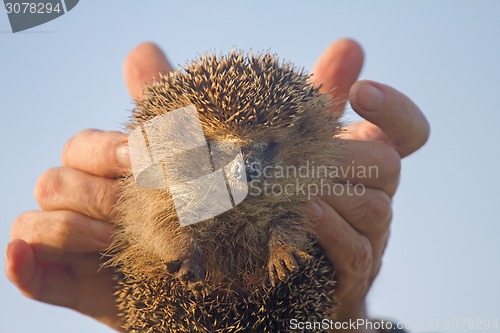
(253,267)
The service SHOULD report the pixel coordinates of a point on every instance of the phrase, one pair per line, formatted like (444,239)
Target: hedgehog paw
(189,272)
(284,261)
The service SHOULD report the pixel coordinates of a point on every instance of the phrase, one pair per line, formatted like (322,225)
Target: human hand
(53,256)
(354,229)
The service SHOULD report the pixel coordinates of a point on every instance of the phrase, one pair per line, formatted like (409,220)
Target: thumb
(142,64)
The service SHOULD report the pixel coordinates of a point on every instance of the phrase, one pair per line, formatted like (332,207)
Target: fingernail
(102,231)
(122,155)
(370,98)
(316,208)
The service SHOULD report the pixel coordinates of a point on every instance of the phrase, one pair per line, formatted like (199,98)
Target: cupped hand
(353,225)
(53,256)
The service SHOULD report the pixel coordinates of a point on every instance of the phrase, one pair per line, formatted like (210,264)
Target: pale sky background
(443,259)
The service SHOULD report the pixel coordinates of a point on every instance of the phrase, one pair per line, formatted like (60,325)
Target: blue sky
(443,259)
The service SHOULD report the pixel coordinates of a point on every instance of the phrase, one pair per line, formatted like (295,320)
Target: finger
(142,64)
(71,189)
(369,211)
(370,163)
(97,152)
(31,276)
(21,268)
(338,68)
(91,294)
(53,234)
(400,121)
(348,250)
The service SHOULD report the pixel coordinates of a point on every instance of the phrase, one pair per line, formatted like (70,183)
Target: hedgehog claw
(191,274)
(284,261)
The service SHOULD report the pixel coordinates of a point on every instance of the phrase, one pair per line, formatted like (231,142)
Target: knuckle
(48,186)
(21,223)
(70,145)
(105,197)
(58,229)
(378,207)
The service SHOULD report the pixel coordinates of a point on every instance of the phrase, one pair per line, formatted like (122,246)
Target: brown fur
(238,270)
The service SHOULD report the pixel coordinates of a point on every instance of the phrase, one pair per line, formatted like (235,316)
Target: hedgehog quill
(253,267)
